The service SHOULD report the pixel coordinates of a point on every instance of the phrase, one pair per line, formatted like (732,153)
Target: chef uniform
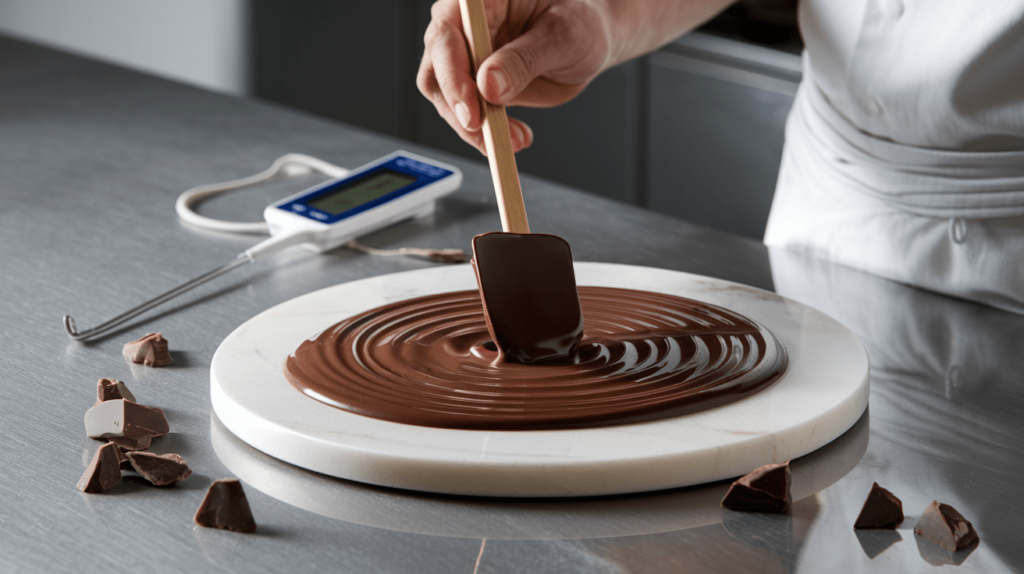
(904,152)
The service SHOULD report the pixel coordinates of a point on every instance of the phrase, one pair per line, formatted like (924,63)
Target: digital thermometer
(396,187)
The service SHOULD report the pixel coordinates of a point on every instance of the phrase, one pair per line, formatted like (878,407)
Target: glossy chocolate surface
(644,356)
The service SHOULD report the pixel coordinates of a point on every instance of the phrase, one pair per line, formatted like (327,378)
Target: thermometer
(394,188)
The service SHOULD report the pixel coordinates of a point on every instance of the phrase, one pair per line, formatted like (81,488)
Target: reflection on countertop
(947,396)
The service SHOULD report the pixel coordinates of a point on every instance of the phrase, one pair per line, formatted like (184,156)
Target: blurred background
(694,130)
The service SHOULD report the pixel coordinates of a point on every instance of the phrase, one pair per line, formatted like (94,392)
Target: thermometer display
(356,193)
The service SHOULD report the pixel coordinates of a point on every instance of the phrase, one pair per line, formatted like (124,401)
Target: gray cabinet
(716,111)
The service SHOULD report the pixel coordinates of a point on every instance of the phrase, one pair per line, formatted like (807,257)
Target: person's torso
(940,74)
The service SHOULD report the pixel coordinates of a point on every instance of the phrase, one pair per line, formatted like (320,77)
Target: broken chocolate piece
(226,507)
(112,389)
(943,525)
(881,510)
(103,472)
(132,424)
(766,489)
(150,350)
(160,469)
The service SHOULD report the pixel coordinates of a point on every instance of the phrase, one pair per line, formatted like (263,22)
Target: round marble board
(822,394)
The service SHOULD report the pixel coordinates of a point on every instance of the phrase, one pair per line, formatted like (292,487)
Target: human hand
(546,52)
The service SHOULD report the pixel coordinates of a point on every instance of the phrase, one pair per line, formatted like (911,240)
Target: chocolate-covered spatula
(526,279)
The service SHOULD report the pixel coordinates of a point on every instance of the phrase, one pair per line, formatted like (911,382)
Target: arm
(547,52)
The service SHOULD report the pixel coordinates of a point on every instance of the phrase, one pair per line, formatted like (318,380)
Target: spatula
(526,280)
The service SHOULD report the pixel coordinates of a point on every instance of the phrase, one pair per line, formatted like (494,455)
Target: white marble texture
(822,394)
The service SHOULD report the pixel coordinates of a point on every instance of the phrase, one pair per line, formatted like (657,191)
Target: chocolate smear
(112,389)
(131,425)
(150,350)
(430,361)
(766,489)
(160,469)
(881,510)
(943,525)
(103,472)
(226,507)
(528,287)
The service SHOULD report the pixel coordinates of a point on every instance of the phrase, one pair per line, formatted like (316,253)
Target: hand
(546,52)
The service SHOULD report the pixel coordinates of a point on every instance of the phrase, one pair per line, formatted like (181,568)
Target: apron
(889,168)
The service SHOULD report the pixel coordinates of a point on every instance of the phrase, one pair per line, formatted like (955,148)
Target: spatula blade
(528,288)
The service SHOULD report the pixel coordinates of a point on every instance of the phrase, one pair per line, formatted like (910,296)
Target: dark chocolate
(160,469)
(103,472)
(528,288)
(644,356)
(943,525)
(112,389)
(881,510)
(129,424)
(226,507)
(150,350)
(765,489)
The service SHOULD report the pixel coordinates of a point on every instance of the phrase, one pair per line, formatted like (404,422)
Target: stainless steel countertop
(92,158)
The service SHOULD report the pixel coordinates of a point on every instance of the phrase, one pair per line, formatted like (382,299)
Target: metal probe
(69,323)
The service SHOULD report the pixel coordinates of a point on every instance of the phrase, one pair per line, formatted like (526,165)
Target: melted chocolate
(644,356)
(528,288)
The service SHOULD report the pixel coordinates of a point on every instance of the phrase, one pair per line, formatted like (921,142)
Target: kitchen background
(694,130)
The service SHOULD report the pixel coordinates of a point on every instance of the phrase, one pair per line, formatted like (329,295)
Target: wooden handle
(497,138)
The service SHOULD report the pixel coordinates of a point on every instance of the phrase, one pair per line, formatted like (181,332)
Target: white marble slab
(822,394)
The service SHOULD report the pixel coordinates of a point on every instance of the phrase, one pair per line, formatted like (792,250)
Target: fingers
(445,78)
(429,87)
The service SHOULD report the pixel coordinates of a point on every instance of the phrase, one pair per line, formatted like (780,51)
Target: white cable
(289,165)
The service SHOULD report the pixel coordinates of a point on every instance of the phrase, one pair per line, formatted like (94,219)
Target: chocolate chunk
(103,472)
(112,389)
(226,507)
(528,288)
(129,424)
(766,489)
(881,510)
(150,350)
(943,525)
(160,469)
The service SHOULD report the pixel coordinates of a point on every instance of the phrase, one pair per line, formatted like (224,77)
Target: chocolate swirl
(644,356)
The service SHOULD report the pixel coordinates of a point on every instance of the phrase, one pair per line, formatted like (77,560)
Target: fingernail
(501,81)
(462,113)
(527,135)
(518,135)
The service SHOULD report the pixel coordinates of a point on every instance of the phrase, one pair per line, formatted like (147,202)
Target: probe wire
(69,323)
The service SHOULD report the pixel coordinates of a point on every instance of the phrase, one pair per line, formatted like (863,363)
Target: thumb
(511,68)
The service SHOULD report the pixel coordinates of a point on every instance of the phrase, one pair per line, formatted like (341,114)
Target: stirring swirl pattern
(644,356)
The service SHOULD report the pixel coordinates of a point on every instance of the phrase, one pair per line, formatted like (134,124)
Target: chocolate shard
(129,424)
(150,350)
(160,469)
(226,507)
(112,389)
(943,525)
(103,472)
(766,489)
(881,510)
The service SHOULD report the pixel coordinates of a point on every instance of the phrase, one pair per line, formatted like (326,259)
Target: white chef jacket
(904,152)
